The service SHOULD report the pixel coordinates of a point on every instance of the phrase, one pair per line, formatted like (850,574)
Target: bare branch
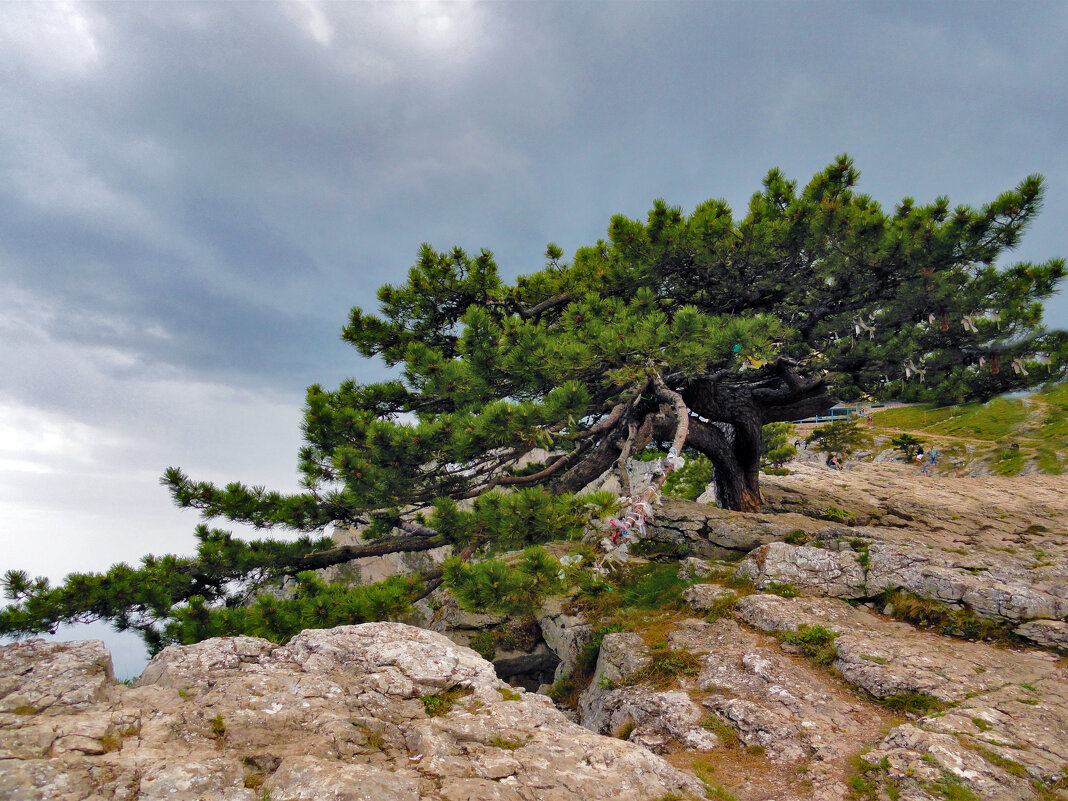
(682,414)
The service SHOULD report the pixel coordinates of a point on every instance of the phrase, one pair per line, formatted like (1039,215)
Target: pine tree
(685,332)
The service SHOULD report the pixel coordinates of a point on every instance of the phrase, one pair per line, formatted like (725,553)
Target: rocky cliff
(884,636)
(378,712)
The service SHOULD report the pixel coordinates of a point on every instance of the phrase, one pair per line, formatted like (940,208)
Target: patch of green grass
(782,589)
(509,695)
(864,781)
(660,551)
(665,667)
(815,642)
(439,704)
(218,727)
(721,607)
(981,724)
(797,537)
(834,513)
(1010,766)
(951,788)
(374,739)
(1007,461)
(876,659)
(627,730)
(911,702)
(931,614)
(727,735)
(654,587)
(741,583)
(485,644)
(506,744)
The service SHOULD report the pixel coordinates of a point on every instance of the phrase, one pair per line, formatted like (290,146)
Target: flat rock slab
(810,570)
(1004,724)
(335,714)
(748,694)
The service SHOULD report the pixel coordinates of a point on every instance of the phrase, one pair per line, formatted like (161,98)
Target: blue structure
(833,414)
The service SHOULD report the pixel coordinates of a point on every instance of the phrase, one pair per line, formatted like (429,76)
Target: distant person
(833,462)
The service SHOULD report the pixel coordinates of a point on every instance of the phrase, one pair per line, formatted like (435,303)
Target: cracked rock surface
(335,714)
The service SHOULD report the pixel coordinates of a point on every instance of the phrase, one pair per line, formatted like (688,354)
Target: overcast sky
(192,196)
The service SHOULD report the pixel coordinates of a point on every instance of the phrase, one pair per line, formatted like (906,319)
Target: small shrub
(506,744)
(655,587)
(815,642)
(485,644)
(218,727)
(797,537)
(439,704)
(721,607)
(665,667)
(783,589)
(509,695)
(704,771)
(725,733)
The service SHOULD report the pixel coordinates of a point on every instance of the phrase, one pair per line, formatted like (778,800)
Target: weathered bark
(736,487)
(746,407)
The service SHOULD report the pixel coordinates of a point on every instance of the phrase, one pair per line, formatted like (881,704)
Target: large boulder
(810,570)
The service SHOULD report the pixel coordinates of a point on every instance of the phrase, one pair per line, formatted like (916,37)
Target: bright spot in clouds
(48,37)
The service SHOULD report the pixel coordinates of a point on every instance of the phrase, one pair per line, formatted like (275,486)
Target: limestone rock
(814,571)
(704,597)
(768,699)
(622,655)
(1001,593)
(53,677)
(887,658)
(720,533)
(655,720)
(566,634)
(1050,633)
(693,568)
(380,711)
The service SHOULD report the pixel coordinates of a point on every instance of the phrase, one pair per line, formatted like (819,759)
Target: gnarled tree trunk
(745,408)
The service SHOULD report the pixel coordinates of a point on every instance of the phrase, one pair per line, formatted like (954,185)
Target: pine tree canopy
(685,331)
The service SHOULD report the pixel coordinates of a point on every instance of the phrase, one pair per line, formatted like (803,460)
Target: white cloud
(49,38)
